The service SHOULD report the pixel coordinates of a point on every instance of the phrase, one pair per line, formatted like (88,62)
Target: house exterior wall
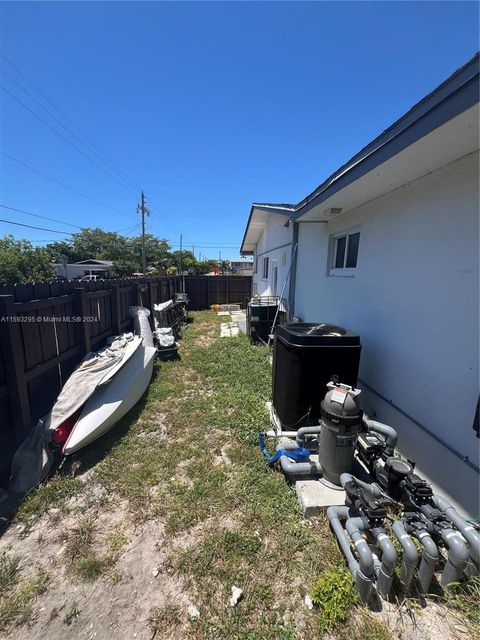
(74,271)
(274,244)
(414,300)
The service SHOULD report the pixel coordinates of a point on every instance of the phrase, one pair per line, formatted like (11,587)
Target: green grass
(464,599)
(9,572)
(18,592)
(188,456)
(54,493)
(334,594)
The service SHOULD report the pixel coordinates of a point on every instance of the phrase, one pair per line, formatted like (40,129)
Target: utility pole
(144,211)
(181,263)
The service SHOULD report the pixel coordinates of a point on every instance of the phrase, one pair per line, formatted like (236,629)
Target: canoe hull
(111,401)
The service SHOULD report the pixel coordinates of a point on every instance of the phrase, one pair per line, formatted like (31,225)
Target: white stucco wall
(414,301)
(274,243)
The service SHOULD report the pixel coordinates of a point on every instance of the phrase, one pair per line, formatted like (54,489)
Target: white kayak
(132,346)
(113,398)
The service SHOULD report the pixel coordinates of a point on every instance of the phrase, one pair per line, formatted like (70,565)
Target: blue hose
(298,455)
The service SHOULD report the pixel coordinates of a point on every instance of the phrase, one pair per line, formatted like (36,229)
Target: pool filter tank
(340,425)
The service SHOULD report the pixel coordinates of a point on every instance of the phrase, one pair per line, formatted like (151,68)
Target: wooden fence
(45,330)
(203,291)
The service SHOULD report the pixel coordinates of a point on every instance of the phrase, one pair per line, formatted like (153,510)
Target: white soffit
(447,143)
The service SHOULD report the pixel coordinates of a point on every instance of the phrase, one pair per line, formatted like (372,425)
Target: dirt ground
(147,538)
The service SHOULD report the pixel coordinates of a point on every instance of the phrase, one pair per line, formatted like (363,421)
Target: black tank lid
(313,334)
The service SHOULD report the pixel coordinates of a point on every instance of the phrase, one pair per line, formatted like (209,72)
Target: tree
(21,262)
(63,249)
(99,245)
(157,252)
(123,268)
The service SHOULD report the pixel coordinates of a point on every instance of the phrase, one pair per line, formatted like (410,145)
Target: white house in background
(388,246)
(241,267)
(76,270)
(268,238)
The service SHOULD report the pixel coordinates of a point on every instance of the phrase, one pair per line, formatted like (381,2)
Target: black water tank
(305,357)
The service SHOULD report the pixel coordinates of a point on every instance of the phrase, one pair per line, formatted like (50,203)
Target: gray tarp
(33,459)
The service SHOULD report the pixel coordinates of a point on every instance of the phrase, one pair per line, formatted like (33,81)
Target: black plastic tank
(305,357)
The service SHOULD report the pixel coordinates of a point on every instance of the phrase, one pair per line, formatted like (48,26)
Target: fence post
(82,311)
(12,349)
(116,309)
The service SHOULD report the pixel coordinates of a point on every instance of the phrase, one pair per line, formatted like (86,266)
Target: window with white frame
(265,269)
(344,253)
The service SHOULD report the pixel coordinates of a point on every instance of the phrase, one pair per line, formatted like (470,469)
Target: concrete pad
(315,497)
(223,313)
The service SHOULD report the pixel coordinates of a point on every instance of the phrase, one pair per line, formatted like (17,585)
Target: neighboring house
(76,270)
(388,246)
(268,238)
(242,267)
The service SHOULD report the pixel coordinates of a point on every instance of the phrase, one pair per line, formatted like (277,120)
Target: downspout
(293,272)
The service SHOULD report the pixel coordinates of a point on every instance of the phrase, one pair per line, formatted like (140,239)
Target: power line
(60,135)
(45,97)
(21,224)
(80,193)
(37,215)
(68,129)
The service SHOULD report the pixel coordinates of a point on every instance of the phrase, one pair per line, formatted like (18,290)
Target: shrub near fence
(42,340)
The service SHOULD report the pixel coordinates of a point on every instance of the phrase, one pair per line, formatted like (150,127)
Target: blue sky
(207,106)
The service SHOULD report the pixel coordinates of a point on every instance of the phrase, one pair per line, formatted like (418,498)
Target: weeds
(334,593)
(16,602)
(9,572)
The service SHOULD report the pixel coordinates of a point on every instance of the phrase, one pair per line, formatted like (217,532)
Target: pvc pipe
(334,515)
(280,434)
(300,468)
(429,561)
(467,530)
(373,488)
(457,551)
(421,426)
(303,431)
(457,557)
(385,430)
(389,561)
(365,573)
(410,554)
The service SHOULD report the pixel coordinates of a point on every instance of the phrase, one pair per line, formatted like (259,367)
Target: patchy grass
(54,493)
(18,593)
(84,561)
(9,572)
(165,620)
(464,599)
(187,458)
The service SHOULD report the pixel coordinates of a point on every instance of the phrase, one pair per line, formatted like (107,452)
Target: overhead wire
(66,186)
(22,224)
(60,135)
(68,129)
(37,215)
(69,224)
(69,120)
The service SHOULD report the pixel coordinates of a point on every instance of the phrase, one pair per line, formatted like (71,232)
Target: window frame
(265,272)
(343,271)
